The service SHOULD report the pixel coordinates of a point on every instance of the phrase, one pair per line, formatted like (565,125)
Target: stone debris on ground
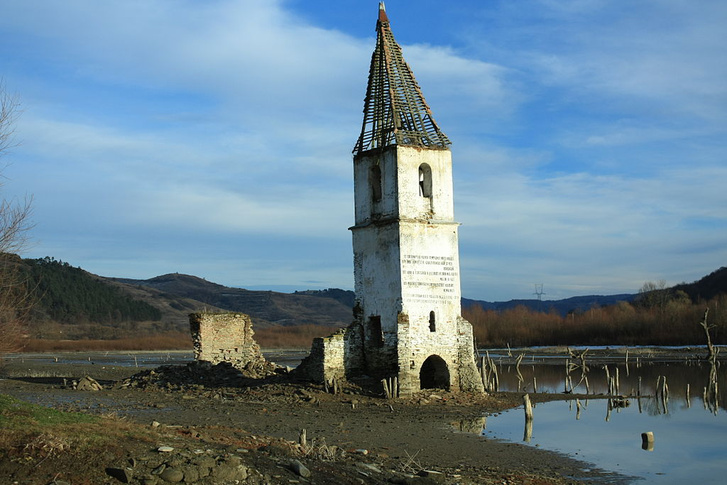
(202,373)
(87,384)
(185,466)
(275,461)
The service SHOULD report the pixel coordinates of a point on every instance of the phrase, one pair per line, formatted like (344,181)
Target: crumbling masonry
(225,337)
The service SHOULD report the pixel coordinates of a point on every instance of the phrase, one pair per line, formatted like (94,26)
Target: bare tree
(15,295)
(654,295)
(8,114)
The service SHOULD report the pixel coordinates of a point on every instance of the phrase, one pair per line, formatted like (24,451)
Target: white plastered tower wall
(406,268)
(407,317)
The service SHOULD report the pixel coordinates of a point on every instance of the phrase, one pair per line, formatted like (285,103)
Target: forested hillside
(72,304)
(71,295)
(266,308)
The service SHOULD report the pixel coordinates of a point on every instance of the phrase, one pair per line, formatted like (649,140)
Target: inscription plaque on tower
(429,278)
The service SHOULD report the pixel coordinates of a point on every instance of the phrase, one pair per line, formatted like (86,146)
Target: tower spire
(395,111)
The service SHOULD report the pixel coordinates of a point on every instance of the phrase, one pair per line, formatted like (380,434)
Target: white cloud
(666,57)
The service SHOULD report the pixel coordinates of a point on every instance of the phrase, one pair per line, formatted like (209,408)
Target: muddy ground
(255,424)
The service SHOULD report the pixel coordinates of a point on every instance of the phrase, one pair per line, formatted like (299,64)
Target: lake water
(690,436)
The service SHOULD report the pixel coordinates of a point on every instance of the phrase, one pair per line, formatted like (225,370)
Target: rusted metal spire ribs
(395,111)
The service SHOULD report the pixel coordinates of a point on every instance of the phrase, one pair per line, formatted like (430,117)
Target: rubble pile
(201,373)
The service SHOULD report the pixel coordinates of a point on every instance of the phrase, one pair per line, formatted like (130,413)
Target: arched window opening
(434,374)
(375,182)
(425,180)
(432,322)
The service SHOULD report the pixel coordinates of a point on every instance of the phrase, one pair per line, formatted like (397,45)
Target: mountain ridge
(176,295)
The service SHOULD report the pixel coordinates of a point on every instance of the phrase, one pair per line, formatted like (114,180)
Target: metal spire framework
(395,111)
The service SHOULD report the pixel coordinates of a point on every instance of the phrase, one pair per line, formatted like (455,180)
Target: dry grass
(676,323)
(297,337)
(31,432)
(167,341)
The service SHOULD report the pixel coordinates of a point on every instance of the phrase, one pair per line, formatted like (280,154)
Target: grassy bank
(33,435)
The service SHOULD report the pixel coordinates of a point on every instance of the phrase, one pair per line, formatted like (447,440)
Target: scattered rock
(191,473)
(433,475)
(172,475)
(124,475)
(165,449)
(88,384)
(198,375)
(299,468)
(368,467)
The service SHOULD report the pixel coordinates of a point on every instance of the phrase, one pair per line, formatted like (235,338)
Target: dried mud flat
(223,427)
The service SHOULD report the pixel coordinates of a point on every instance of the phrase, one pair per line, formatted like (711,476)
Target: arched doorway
(434,374)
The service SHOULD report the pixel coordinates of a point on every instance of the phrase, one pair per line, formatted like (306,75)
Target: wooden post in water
(608,379)
(483,373)
(647,441)
(528,408)
(528,433)
(618,384)
(657,388)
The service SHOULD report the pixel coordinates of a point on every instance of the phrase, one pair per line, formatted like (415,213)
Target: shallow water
(689,443)
(690,437)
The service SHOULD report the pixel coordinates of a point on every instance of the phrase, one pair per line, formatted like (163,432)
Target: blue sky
(214,137)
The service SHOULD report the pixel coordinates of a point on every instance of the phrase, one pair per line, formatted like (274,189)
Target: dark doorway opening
(434,374)
(376,335)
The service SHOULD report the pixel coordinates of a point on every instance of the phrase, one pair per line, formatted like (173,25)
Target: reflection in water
(471,425)
(647,441)
(642,401)
(690,447)
(667,380)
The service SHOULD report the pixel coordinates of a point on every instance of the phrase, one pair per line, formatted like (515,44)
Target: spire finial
(395,112)
(382,13)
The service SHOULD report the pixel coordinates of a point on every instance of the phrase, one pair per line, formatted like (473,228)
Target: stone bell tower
(407,321)
(406,257)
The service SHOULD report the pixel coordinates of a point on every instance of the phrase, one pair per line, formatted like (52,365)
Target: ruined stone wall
(469,375)
(326,359)
(224,337)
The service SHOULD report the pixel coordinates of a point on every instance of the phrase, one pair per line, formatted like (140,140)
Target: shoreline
(435,427)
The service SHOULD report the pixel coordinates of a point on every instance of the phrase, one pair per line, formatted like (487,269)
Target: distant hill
(562,307)
(576,303)
(706,288)
(72,295)
(265,307)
